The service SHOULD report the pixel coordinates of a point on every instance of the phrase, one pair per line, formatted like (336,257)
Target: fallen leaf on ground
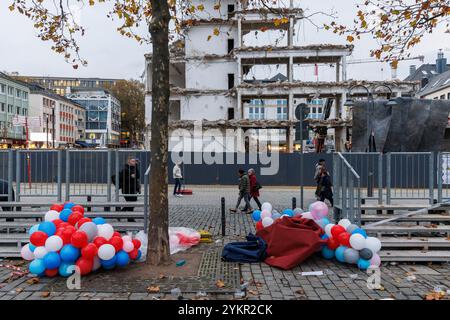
(161,276)
(380,288)
(153,289)
(220,284)
(434,295)
(19,290)
(45,294)
(253,292)
(33,280)
(300,291)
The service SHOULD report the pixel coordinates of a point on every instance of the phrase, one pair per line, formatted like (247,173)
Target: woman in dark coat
(129,182)
(325,186)
(254,187)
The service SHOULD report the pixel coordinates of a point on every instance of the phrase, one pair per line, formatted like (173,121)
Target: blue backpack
(254,250)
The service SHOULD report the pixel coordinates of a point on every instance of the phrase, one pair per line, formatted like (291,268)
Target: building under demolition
(216,81)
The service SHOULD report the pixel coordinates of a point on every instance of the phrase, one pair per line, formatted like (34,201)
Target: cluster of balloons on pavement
(67,240)
(345,241)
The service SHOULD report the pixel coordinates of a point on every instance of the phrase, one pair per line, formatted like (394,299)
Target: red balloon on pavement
(57,207)
(57,222)
(117,234)
(85,265)
(38,238)
(99,241)
(133,254)
(117,243)
(83,220)
(74,218)
(63,224)
(79,239)
(344,239)
(337,230)
(78,208)
(51,272)
(89,252)
(66,235)
(137,243)
(333,243)
(259,225)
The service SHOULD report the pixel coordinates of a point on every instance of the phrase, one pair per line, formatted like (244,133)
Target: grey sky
(111,55)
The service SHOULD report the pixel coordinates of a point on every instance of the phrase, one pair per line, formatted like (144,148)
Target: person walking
(177,176)
(255,186)
(244,193)
(317,176)
(325,186)
(129,182)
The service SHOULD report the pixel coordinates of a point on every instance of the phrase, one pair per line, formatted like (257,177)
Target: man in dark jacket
(129,182)
(325,186)
(4,187)
(244,192)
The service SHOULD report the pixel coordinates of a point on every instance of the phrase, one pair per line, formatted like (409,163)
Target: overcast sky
(113,56)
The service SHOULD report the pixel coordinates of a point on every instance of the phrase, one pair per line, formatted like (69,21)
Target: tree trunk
(158,234)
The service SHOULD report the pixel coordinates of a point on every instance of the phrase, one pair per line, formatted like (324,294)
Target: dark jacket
(325,186)
(129,184)
(244,184)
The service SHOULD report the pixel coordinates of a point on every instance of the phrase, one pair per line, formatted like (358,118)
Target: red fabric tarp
(290,241)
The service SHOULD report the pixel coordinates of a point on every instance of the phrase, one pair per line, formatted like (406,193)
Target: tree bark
(158,234)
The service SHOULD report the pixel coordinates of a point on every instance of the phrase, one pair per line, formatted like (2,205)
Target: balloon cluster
(265,217)
(66,238)
(349,243)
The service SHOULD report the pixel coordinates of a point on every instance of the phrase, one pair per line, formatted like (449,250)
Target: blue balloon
(323,222)
(361,232)
(31,246)
(276,216)
(69,253)
(256,215)
(324,236)
(107,263)
(363,264)
(327,253)
(66,269)
(139,254)
(48,227)
(122,258)
(64,214)
(288,212)
(52,260)
(339,253)
(37,266)
(99,221)
(69,205)
(33,229)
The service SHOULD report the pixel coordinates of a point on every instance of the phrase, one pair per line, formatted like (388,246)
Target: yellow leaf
(11,7)
(209,37)
(216,31)
(201,7)
(91,2)
(350,38)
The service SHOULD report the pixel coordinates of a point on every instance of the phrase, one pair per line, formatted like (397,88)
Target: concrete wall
(202,75)
(209,11)
(197,43)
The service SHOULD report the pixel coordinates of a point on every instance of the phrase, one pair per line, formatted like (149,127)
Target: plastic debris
(312,273)
(175,292)
(238,294)
(180,263)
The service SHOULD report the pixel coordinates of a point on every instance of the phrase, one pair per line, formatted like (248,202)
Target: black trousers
(177,188)
(329,197)
(258,203)
(129,199)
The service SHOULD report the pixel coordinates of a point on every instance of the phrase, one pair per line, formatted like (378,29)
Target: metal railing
(146,195)
(347,189)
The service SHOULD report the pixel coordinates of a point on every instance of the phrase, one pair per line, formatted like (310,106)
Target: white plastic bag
(181,238)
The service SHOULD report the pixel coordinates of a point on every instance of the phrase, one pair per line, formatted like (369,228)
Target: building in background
(428,71)
(63,85)
(62,121)
(102,115)
(14,101)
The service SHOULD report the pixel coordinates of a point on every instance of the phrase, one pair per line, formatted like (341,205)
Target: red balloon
(133,254)
(117,243)
(85,265)
(333,243)
(337,230)
(51,272)
(57,222)
(70,227)
(57,207)
(117,234)
(137,243)
(38,238)
(344,239)
(78,208)
(63,224)
(259,225)
(83,220)
(65,234)
(99,241)
(74,218)
(89,252)
(79,239)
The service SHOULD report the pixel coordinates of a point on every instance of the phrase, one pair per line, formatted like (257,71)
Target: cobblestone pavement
(339,281)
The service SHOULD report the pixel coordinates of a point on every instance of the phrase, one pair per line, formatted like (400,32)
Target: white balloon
(40,252)
(128,239)
(91,230)
(328,229)
(267,222)
(106,231)
(373,244)
(345,223)
(97,264)
(106,252)
(265,214)
(357,241)
(129,246)
(53,243)
(26,253)
(51,215)
(307,215)
(266,206)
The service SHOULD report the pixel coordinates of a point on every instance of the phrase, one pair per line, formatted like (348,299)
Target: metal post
(222,203)
(388,178)
(59,177)
(380,178)
(18,176)
(301,180)
(67,197)
(108,177)
(117,176)
(146,211)
(431,178)
(439,176)
(294,203)
(10,174)
(351,188)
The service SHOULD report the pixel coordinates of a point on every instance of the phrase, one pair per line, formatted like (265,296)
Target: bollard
(89,199)
(222,202)
(363,201)
(294,203)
